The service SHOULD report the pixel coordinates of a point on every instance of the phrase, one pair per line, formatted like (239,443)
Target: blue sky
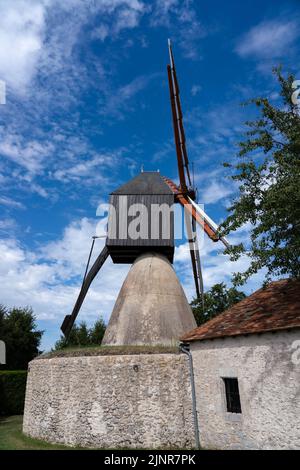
(87,104)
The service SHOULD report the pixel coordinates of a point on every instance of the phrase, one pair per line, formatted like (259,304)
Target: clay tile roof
(276,307)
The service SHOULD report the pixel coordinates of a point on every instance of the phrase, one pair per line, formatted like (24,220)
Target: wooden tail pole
(70,319)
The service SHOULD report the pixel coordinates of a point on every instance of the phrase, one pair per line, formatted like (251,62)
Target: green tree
(72,340)
(268,174)
(3,312)
(18,331)
(97,332)
(215,301)
(82,336)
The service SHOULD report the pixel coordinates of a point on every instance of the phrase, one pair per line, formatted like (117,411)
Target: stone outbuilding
(247,372)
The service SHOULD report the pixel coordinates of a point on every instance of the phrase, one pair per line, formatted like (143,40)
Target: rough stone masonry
(123,401)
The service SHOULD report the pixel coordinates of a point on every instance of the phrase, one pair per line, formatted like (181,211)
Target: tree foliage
(268,174)
(83,336)
(216,300)
(22,339)
(3,312)
(97,332)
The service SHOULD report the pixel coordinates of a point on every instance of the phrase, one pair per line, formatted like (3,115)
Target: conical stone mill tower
(151,308)
(140,394)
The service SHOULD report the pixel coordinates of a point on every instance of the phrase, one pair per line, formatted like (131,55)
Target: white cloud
(269,39)
(214,192)
(101,32)
(181,18)
(122,97)
(88,168)
(195,90)
(71,251)
(7,224)
(218,132)
(29,154)
(162,12)
(33,35)
(21,36)
(9,202)
(164,149)
(30,164)
(129,16)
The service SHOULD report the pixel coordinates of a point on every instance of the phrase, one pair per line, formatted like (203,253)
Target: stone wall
(268,370)
(131,401)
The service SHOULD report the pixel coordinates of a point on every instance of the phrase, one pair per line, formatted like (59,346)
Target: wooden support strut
(187,205)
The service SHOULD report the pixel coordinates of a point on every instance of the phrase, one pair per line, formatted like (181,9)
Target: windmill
(163,311)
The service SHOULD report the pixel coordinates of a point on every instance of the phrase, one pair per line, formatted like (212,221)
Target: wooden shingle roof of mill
(275,307)
(147,182)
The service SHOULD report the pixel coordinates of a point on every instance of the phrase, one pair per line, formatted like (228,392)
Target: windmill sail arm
(208,221)
(176,131)
(212,224)
(188,206)
(177,111)
(195,272)
(192,248)
(208,225)
(70,319)
(198,217)
(198,262)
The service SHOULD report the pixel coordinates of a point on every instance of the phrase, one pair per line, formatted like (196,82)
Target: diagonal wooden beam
(87,281)
(182,199)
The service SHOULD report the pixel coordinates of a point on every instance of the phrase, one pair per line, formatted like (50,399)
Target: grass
(12,438)
(110,351)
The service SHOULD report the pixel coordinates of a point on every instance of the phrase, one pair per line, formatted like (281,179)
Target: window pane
(232,395)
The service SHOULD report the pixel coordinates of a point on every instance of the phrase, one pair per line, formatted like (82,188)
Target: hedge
(12,391)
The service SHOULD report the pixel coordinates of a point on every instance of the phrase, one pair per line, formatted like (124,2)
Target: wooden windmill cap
(151,308)
(147,182)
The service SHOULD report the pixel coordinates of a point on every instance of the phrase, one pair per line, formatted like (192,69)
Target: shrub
(12,391)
